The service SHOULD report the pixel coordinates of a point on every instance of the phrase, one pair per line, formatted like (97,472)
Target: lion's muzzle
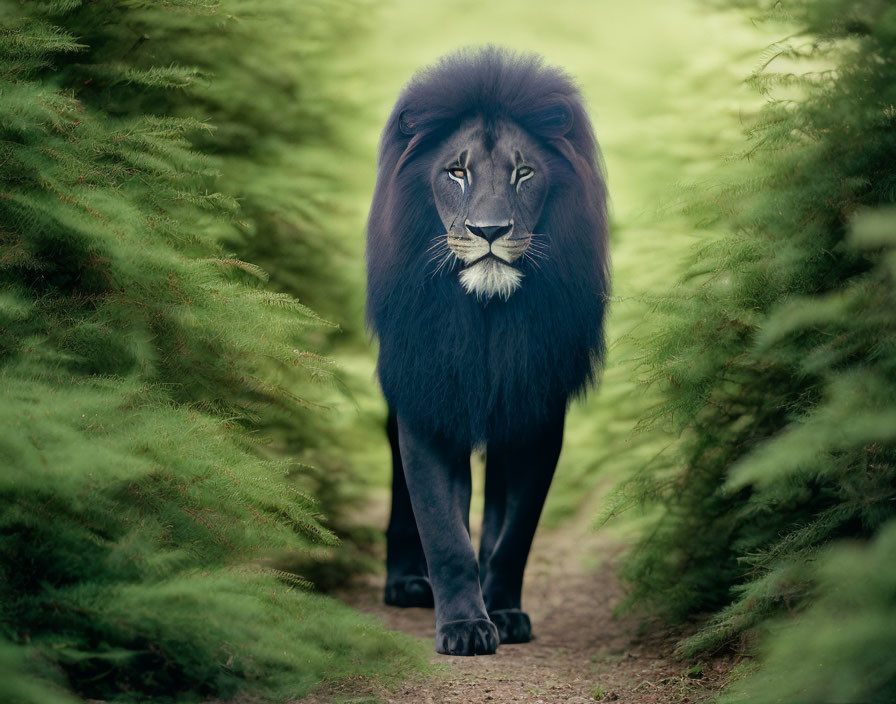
(470,248)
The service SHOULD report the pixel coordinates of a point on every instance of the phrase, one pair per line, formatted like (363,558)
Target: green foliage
(664,91)
(148,376)
(780,363)
(841,648)
(26,689)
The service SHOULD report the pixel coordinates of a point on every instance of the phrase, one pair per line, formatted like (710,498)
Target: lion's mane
(448,363)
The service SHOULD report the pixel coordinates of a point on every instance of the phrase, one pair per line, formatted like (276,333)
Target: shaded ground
(581,652)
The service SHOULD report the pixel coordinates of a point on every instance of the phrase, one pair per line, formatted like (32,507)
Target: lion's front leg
(518,476)
(407,578)
(438,481)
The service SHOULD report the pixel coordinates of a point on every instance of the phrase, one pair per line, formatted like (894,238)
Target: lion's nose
(490,232)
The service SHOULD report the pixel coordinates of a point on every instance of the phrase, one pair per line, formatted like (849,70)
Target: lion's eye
(523,173)
(458,173)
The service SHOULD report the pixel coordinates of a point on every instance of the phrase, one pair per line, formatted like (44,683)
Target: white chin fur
(490,277)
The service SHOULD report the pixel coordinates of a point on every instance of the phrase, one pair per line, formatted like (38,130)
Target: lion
(487,287)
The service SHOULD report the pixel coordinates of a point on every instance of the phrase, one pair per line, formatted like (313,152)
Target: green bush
(16,686)
(780,361)
(841,648)
(155,391)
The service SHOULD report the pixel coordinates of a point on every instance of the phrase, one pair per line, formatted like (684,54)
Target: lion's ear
(407,123)
(554,119)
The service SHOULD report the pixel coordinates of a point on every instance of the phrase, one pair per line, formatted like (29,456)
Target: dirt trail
(581,652)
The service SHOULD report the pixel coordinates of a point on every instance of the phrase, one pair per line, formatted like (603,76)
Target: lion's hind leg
(407,579)
(518,476)
(513,625)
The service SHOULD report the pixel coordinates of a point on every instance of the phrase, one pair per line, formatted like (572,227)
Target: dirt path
(581,653)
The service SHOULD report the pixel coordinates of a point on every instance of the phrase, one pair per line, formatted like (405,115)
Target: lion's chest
(479,372)
(496,371)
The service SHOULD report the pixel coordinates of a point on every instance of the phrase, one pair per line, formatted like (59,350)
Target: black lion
(487,284)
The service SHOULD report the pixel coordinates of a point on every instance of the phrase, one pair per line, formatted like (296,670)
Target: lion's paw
(409,591)
(476,636)
(513,625)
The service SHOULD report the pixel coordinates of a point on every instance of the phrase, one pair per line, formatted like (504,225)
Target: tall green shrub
(780,361)
(144,369)
(841,647)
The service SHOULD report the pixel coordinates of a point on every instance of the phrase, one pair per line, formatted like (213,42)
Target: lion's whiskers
(437,241)
(448,249)
(440,246)
(442,254)
(447,257)
(533,257)
(538,248)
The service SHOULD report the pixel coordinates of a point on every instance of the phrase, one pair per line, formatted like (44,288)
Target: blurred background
(192,431)
(664,87)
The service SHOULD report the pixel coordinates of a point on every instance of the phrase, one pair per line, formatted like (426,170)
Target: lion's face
(489,185)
